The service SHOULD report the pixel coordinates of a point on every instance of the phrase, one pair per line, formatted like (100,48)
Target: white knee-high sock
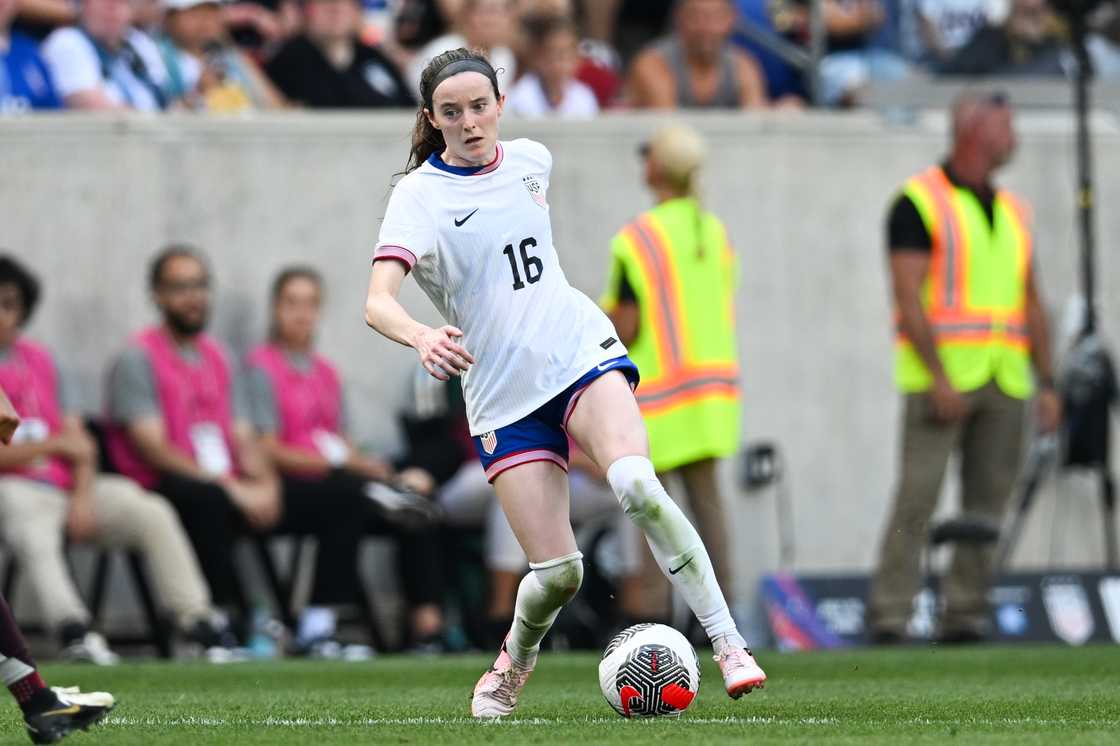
(675,544)
(542,593)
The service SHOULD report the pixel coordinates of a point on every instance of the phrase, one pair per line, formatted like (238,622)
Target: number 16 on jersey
(533,266)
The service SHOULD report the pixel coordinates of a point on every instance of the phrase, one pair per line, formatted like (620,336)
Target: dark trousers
(419,551)
(310,508)
(989,442)
(213,524)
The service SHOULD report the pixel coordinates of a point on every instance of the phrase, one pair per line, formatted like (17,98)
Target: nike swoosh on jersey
(459,223)
(606,366)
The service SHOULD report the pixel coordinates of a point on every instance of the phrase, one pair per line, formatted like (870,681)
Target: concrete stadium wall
(86,201)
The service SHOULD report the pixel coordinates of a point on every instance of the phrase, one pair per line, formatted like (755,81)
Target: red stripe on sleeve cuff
(400,253)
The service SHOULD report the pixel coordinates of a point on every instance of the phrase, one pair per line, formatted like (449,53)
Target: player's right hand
(440,354)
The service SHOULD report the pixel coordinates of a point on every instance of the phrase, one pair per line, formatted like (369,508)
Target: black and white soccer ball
(649,670)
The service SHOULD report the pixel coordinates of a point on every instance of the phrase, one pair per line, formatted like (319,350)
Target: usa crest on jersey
(489,442)
(536,191)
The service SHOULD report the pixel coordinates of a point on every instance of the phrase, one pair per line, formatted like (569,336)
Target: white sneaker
(92,648)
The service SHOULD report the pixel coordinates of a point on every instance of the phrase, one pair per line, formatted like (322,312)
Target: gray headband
(469,65)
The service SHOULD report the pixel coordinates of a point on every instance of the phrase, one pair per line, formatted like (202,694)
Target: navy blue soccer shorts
(541,436)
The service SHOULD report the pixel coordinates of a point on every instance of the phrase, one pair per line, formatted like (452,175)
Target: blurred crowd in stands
(558,58)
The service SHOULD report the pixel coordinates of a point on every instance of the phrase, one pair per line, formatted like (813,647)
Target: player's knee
(641,499)
(560,578)
(637,488)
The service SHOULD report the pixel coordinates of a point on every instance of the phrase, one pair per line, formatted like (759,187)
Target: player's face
(11,313)
(183,295)
(467,114)
(296,313)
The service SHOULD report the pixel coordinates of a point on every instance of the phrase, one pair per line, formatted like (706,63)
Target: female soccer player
(470,221)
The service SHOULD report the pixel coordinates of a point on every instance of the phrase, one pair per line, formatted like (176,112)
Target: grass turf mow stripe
(924,695)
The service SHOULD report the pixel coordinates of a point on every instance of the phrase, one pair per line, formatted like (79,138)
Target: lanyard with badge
(208,441)
(331,445)
(33,425)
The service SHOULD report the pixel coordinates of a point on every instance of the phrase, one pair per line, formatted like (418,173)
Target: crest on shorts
(536,190)
(489,442)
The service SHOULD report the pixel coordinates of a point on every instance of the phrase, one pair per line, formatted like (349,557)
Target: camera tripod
(1088,383)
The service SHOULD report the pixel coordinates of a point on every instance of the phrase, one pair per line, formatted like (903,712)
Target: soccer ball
(649,670)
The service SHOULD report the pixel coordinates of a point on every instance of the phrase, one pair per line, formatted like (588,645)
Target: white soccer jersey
(479,242)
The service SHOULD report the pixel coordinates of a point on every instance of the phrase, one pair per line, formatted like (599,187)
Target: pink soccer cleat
(741,673)
(495,694)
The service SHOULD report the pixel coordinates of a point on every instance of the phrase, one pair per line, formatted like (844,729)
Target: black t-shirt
(305,76)
(907,232)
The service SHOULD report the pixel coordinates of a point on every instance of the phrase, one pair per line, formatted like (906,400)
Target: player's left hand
(1048,408)
(440,354)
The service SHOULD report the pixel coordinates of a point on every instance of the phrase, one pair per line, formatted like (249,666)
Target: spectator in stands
(626,25)
(50,492)
(783,80)
(598,67)
(182,423)
(25,81)
(417,22)
(37,18)
(487,25)
(204,68)
(697,67)
(852,58)
(549,88)
(328,66)
(944,26)
(1027,43)
(299,411)
(261,26)
(104,63)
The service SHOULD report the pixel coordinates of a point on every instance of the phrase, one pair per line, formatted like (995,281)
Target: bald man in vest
(971,326)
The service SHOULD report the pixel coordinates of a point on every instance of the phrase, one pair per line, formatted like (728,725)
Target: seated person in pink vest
(50,491)
(182,426)
(299,411)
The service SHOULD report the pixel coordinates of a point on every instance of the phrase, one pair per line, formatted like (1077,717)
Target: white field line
(204,722)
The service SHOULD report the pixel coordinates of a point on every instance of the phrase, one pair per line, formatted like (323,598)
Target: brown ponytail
(426,139)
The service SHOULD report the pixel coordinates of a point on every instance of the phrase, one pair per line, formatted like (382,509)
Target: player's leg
(534,497)
(607,425)
(48,714)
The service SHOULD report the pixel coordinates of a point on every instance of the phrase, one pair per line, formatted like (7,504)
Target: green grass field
(1006,695)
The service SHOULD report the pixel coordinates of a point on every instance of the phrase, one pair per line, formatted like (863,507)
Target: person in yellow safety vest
(670,294)
(970,324)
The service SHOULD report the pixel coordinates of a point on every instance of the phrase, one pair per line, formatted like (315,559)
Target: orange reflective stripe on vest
(658,273)
(680,381)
